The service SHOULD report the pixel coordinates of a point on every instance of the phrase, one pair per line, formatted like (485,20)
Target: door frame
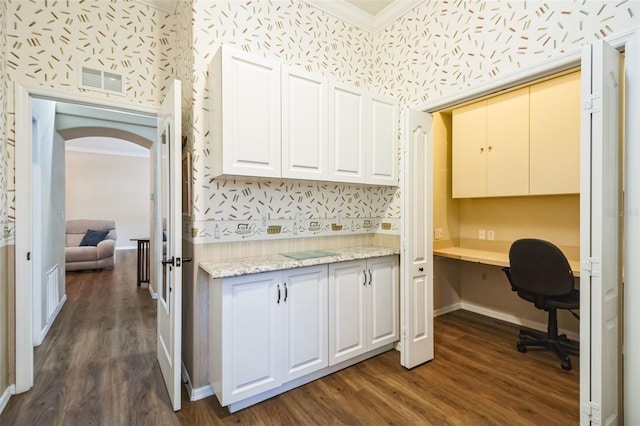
(24,361)
(569,60)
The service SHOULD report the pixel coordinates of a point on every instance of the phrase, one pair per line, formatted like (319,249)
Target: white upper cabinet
(305,140)
(347,133)
(274,121)
(245,102)
(382,157)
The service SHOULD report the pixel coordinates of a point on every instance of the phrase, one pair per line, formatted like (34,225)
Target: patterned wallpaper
(6,227)
(442,47)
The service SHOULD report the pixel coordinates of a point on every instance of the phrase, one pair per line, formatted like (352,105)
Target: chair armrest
(106,248)
(507,272)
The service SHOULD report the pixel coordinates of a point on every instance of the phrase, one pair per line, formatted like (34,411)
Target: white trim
(52,319)
(542,327)
(543,69)
(351,14)
(197,393)
(107,152)
(446,309)
(24,367)
(6,395)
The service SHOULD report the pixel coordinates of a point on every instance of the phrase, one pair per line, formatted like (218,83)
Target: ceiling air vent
(101,81)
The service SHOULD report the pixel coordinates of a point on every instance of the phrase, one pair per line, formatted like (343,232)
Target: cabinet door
(251,118)
(347,132)
(382,301)
(382,153)
(347,321)
(306,334)
(305,141)
(469,144)
(508,144)
(555,136)
(251,335)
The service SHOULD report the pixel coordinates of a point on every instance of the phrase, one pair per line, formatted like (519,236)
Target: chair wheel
(521,348)
(566,364)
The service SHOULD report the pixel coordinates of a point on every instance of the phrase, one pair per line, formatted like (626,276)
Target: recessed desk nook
(506,167)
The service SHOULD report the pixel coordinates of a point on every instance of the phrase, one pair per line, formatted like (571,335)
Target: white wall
(48,154)
(114,187)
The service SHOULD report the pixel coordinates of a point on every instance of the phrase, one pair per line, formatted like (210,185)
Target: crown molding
(349,13)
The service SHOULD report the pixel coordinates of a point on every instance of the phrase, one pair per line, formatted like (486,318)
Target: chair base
(559,344)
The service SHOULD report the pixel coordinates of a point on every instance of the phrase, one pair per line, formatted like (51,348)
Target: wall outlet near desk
(481,234)
(438,234)
(491,235)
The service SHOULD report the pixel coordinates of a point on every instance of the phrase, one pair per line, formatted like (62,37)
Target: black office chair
(540,273)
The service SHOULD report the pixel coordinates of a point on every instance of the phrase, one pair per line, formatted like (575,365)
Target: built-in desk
(495,255)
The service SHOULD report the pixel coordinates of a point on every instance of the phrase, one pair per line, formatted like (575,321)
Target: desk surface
(487,257)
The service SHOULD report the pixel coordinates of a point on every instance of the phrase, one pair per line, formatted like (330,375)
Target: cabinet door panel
(555,136)
(347,321)
(508,144)
(306,335)
(347,125)
(304,125)
(382,158)
(383,325)
(252,337)
(469,164)
(251,115)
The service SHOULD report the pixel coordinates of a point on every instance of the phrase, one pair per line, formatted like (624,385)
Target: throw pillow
(92,237)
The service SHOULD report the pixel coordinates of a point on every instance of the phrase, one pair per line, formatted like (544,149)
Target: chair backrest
(539,267)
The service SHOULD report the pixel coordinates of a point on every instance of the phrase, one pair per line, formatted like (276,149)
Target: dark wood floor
(97,367)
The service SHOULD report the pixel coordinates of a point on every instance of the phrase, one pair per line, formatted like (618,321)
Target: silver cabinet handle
(278,293)
(286,292)
(364,274)
(370,278)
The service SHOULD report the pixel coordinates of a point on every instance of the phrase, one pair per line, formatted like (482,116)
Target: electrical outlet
(438,234)
(481,234)
(264,218)
(491,235)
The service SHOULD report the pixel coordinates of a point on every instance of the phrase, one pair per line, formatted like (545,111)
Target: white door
(347,133)
(347,310)
(306,337)
(600,272)
(416,284)
(383,325)
(382,167)
(170,278)
(251,335)
(305,136)
(631,365)
(251,116)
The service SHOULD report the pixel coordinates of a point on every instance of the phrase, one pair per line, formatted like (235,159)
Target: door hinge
(591,410)
(592,104)
(588,268)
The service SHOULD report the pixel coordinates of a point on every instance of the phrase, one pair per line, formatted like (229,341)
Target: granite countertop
(276,262)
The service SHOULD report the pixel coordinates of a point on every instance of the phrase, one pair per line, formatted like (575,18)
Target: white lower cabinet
(272,331)
(363,306)
(272,328)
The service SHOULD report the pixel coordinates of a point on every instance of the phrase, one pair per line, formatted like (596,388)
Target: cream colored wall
(114,187)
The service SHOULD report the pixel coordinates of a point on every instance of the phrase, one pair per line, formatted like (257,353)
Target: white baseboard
(52,319)
(447,309)
(6,395)
(197,393)
(515,320)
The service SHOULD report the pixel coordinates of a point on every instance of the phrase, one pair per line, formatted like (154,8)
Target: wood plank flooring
(97,366)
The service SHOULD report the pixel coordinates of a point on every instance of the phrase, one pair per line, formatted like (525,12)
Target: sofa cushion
(80,254)
(93,237)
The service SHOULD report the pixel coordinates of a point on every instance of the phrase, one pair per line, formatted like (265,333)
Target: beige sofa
(100,256)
